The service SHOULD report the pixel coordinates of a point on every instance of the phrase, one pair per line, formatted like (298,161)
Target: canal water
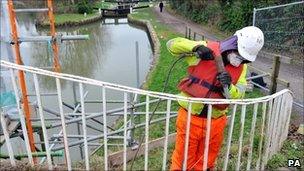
(109,55)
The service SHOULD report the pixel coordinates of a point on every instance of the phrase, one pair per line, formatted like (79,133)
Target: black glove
(224,78)
(203,52)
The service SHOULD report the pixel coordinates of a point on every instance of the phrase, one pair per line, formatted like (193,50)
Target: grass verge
(109,5)
(61,19)
(105,5)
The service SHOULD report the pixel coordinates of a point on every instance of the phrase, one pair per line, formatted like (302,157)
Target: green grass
(109,5)
(143,3)
(105,5)
(67,18)
(155,82)
(291,150)
(63,18)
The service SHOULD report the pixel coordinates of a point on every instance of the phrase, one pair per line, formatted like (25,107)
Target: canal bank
(155,43)
(65,20)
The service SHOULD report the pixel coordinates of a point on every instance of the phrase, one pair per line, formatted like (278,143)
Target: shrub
(233,19)
(84,7)
(211,13)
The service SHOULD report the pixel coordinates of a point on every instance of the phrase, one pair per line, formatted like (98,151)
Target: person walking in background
(204,81)
(161,6)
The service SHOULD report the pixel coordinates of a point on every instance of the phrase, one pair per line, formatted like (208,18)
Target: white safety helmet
(250,42)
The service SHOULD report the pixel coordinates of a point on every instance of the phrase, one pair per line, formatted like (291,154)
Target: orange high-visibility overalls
(196,85)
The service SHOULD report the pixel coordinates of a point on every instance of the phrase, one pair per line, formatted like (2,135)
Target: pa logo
(294,163)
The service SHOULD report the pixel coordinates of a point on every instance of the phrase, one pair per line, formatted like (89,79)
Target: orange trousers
(197,141)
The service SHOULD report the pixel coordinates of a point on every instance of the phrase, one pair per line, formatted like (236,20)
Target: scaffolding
(15,42)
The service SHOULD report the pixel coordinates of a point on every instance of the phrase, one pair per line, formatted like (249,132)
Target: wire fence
(283,27)
(256,130)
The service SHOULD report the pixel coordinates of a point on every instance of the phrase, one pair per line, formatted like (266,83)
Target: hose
(182,56)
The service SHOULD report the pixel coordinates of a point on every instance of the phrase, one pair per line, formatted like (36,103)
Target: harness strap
(204,112)
(204,83)
(211,87)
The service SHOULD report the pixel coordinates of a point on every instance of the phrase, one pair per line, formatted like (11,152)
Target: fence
(196,36)
(256,131)
(282,26)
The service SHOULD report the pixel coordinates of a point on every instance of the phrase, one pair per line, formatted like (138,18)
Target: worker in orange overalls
(204,81)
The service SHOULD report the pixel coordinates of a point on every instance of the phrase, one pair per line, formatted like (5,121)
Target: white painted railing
(260,139)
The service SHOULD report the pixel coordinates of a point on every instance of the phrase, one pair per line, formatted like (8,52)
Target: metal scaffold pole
(25,101)
(53,34)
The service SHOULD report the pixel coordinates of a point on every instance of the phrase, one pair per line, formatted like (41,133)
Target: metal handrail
(276,110)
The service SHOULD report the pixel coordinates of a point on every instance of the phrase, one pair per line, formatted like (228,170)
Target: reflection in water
(109,54)
(76,57)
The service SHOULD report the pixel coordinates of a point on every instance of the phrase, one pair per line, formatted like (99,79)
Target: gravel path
(288,72)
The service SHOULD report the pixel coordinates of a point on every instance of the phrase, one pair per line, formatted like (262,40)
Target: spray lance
(205,54)
(220,68)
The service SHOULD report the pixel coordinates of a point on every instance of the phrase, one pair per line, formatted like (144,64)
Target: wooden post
(186,32)
(194,36)
(189,36)
(275,74)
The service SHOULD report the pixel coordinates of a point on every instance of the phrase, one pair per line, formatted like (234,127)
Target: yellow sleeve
(238,90)
(179,45)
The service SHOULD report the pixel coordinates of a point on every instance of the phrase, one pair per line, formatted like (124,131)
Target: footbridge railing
(256,130)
